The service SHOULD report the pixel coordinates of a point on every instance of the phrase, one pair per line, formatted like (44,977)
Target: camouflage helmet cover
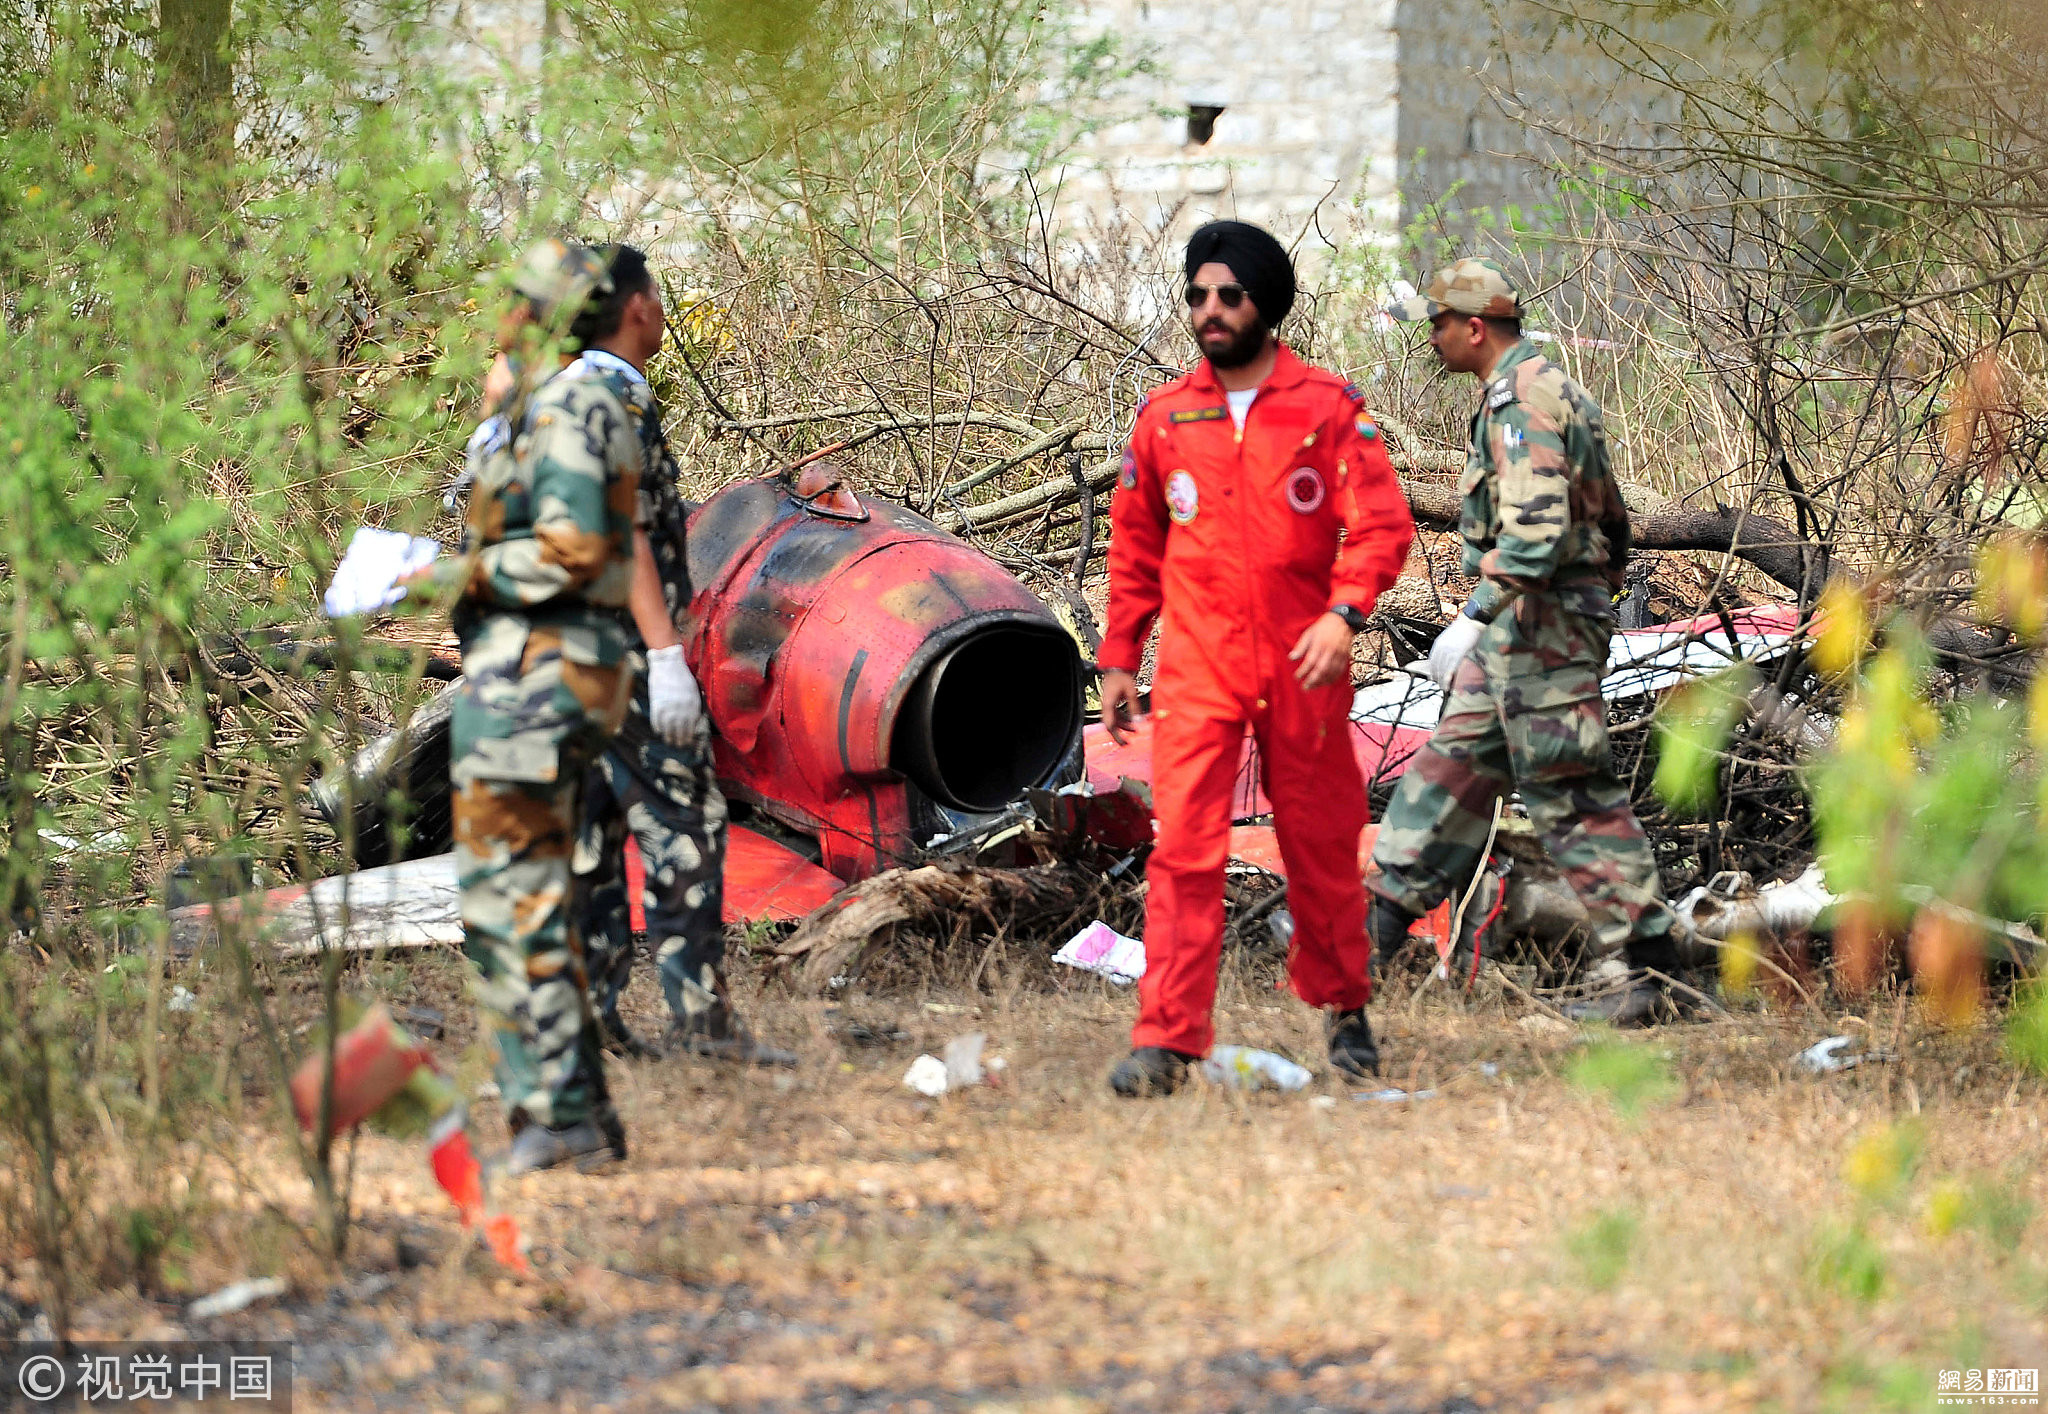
(1470,286)
(557,277)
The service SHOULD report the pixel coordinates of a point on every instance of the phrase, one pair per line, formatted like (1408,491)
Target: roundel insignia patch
(1183,502)
(1366,427)
(1305,489)
(1128,477)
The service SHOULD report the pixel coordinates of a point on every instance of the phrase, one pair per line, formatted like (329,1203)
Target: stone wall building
(1330,122)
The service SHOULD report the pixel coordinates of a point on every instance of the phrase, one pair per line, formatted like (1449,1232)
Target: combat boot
(1149,1070)
(1386,926)
(619,1039)
(589,1144)
(1353,1051)
(721,1036)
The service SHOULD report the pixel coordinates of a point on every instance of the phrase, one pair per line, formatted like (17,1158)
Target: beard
(1244,346)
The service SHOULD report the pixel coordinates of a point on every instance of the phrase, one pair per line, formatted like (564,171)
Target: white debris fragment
(238,1296)
(963,1060)
(927,1075)
(1243,1068)
(1101,949)
(1833,1054)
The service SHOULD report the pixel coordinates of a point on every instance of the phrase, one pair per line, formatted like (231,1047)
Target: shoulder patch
(1367,428)
(1499,394)
(1354,392)
(1199,415)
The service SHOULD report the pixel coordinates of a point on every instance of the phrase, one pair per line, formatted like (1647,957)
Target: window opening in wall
(1202,122)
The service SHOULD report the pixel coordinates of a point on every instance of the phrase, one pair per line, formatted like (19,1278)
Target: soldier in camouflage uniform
(655,779)
(548,562)
(1546,535)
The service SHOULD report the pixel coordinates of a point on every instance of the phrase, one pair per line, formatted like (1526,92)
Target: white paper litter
(367,577)
(963,1060)
(1100,948)
(927,1076)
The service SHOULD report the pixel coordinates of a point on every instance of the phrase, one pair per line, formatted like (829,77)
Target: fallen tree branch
(829,941)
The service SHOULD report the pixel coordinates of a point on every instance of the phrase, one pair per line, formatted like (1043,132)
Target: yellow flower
(1844,619)
(1945,1209)
(1882,1160)
(32,195)
(1739,957)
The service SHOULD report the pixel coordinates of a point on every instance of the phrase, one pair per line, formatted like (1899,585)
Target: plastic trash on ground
(962,1067)
(1244,1068)
(927,1075)
(963,1060)
(1101,949)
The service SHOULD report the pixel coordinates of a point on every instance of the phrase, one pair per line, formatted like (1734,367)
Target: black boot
(589,1143)
(1386,925)
(1353,1052)
(731,1041)
(1149,1070)
(618,1039)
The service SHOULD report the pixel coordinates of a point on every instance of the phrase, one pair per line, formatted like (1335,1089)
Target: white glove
(1452,647)
(673,702)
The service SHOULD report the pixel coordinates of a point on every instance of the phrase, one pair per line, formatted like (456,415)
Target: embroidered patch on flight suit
(1366,427)
(1183,502)
(1305,489)
(1199,415)
(1128,477)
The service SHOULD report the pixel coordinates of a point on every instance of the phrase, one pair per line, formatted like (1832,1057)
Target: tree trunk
(196,76)
(1659,523)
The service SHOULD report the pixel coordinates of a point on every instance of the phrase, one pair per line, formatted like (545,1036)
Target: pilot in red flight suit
(1257,518)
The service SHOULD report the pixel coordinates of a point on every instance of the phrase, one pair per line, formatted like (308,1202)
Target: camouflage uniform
(666,796)
(1546,535)
(545,683)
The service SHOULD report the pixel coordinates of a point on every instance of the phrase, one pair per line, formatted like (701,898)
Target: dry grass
(825,1239)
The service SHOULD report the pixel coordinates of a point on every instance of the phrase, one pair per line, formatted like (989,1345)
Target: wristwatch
(1353,616)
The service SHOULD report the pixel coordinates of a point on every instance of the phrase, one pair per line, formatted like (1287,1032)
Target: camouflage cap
(1468,286)
(556,275)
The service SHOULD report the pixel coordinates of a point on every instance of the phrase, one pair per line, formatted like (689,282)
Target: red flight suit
(1236,543)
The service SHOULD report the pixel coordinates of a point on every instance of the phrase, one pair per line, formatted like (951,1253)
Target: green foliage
(1845,1260)
(1994,1208)
(1628,1075)
(1601,1246)
(1883,1160)
(1911,804)
(1693,725)
(2026,1028)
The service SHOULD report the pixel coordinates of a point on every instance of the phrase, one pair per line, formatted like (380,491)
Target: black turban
(1259,262)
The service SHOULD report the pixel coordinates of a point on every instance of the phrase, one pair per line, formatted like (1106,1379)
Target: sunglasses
(1231,295)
